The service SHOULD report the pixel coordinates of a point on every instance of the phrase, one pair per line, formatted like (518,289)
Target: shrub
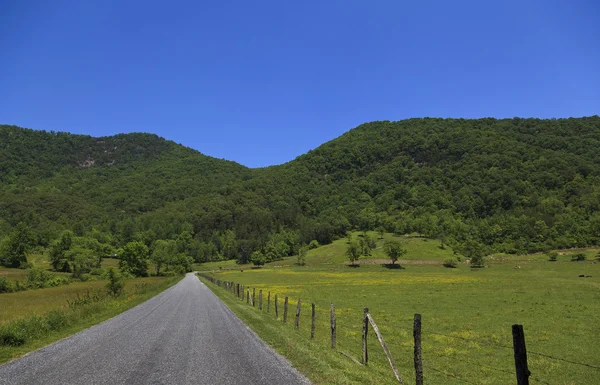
(578,257)
(450,262)
(302,255)
(10,338)
(552,256)
(314,244)
(5,285)
(115,282)
(258,258)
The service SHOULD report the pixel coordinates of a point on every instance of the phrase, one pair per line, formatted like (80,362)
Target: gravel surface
(185,335)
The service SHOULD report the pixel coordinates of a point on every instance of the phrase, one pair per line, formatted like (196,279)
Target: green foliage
(258,258)
(134,259)
(353,251)
(578,257)
(393,250)
(163,253)
(313,244)
(13,252)
(511,185)
(474,251)
(450,262)
(302,251)
(552,256)
(115,283)
(5,285)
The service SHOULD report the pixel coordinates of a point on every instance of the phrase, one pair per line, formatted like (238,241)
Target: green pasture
(467,316)
(40,301)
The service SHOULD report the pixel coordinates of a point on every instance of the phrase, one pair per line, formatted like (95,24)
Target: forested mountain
(511,185)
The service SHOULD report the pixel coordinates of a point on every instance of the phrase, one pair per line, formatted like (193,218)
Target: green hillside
(511,185)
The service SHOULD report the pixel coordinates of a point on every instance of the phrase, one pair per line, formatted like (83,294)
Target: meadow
(467,315)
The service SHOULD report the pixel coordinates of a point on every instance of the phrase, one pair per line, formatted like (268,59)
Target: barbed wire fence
(521,372)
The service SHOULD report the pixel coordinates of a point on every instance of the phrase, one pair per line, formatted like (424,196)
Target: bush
(10,338)
(115,282)
(450,262)
(314,244)
(578,257)
(5,285)
(552,256)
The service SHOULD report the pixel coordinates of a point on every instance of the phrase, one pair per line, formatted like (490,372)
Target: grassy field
(42,316)
(41,301)
(467,315)
(419,250)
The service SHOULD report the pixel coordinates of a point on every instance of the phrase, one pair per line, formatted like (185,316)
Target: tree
(474,251)
(393,250)
(19,243)
(58,248)
(380,231)
(302,255)
(353,251)
(134,259)
(115,282)
(258,258)
(163,253)
(367,244)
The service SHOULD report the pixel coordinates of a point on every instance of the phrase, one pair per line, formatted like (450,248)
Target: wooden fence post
(260,299)
(298,313)
(285,309)
(248,296)
(268,302)
(253,296)
(333,325)
(418,357)
(365,354)
(522,370)
(276,307)
(312,325)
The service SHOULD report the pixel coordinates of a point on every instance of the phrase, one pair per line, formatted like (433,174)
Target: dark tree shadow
(393,266)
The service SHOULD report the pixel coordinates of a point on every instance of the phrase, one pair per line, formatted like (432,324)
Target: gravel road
(185,335)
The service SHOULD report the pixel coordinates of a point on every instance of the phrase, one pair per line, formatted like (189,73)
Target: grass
(39,302)
(40,317)
(467,317)
(419,250)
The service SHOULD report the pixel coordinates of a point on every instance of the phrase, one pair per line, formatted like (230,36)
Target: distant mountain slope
(511,185)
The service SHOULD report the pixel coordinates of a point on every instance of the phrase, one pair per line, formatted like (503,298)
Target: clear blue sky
(261,82)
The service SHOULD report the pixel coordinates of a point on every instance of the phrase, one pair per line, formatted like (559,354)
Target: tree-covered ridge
(510,185)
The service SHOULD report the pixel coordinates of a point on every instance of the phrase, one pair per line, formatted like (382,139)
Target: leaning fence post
(333,326)
(268,302)
(312,325)
(418,357)
(522,370)
(298,313)
(365,354)
(285,309)
(276,307)
(260,299)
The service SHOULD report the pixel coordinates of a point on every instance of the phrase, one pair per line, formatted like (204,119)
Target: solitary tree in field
(353,252)
(393,250)
(302,255)
(258,258)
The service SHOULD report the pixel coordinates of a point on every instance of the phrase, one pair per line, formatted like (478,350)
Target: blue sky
(261,82)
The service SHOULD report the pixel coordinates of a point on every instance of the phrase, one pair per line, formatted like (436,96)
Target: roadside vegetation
(35,318)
